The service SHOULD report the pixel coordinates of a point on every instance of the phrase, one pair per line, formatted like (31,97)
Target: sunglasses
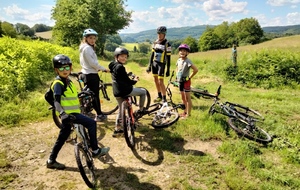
(67,68)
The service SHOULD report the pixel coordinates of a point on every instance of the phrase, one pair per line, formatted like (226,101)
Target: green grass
(130,46)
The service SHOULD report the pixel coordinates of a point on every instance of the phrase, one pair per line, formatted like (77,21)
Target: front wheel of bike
(109,103)
(164,120)
(251,132)
(128,124)
(86,166)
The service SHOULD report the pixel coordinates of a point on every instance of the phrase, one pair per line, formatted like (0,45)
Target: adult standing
(159,60)
(90,68)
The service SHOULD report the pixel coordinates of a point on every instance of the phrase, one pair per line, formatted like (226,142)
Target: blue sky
(149,14)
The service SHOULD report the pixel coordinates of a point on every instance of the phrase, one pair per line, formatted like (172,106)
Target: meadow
(265,80)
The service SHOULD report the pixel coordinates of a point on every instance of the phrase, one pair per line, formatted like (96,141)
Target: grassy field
(46,35)
(201,152)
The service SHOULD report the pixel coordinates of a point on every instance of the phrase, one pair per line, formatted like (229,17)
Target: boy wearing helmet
(183,76)
(123,86)
(67,104)
(159,60)
(90,68)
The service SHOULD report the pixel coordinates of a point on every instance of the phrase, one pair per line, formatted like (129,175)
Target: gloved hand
(148,70)
(167,73)
(65,118)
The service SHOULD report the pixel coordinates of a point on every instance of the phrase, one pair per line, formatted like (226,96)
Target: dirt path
(29,147)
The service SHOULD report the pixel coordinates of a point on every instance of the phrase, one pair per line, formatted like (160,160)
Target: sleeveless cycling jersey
(69,101)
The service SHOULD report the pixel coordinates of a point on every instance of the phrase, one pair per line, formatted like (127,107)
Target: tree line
(108,17)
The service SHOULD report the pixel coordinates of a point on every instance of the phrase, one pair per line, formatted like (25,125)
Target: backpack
(49,95)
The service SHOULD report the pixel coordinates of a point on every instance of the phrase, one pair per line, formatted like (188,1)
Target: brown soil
(29,147)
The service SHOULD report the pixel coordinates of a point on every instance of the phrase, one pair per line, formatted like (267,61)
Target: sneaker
(101,152)
(117,133)
(55,165)
(164,100)
(140,113)
(100,118)
(158,99)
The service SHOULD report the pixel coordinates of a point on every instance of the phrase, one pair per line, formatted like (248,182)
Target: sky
(149,14)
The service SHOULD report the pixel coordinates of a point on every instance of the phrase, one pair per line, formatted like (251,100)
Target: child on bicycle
(90,68)
(123,86)
(183,76)
(67,104)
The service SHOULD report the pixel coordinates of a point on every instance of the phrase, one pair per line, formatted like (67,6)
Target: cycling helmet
(161,29)
(89,31)
(184,46)
(120,50)
(61,60)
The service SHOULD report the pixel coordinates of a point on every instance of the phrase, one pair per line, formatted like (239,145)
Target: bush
(26,65)
(267,69)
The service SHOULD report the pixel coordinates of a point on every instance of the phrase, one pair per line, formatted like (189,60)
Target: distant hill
(196,32)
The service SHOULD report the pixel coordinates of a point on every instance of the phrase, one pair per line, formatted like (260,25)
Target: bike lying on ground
(83,154)
(166,113)
(243,120)
(200,92)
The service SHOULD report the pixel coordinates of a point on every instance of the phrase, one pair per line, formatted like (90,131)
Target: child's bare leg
(184,100)
(189,103)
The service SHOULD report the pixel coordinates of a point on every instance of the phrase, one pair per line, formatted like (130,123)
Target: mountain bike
(201,92)
(83,155)
(129,119)
(243,120)
(166,113)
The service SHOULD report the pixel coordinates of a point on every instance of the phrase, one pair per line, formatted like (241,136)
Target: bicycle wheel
(251,132)
(135,99)
(56,118)
(109,103)
(166,119)
(86,166)
(128,125)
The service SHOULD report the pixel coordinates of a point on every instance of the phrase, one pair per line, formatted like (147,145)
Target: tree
(248,31)
(8,29)
(1,31)
(192,42)
(24,29)
(144,47)
(41,28)
(73,16)
(226,34)
(209,40)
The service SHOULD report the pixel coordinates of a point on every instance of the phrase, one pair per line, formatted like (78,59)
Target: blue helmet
(88,32)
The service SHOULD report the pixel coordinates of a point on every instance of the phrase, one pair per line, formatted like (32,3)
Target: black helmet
(161,29)
(60,60)
(120,50)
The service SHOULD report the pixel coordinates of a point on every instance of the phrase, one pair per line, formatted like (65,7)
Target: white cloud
(293,18)
(218,11)
(282,2)
(28,17)
(171,17)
